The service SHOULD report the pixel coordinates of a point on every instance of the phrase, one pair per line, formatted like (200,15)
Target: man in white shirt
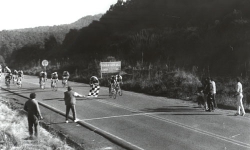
(239,96)
(214,92)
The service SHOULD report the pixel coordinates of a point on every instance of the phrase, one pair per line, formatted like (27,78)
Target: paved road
(148,122)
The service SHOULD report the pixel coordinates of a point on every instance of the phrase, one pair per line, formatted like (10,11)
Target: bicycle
(119,89)
(64,82)
(19,83)
(113,91)
(14,79)
(42,83)
(54,85)
(7,82)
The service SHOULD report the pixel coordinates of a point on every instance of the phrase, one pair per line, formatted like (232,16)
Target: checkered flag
(94,91)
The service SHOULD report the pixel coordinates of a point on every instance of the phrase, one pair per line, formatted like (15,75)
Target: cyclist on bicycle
(8,77)
(118,79)
(42,75)
(54,78)
(112,82)
(7,69)
(94,80)
(15,74)
(65,75)
(20,74)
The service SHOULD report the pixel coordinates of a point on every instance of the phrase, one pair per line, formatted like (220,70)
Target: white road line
(182,125)
(111,117)
(114,136)
(235,135)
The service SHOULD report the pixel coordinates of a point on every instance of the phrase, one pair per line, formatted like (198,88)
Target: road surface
(149,122)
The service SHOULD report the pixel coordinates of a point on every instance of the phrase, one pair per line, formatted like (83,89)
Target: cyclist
(15,72)
(15,75)
(54,78)
(8,77)
(118,79)
(7,69)
(65,76)
(42,75)
(20,75)
(94,80)
(112,82)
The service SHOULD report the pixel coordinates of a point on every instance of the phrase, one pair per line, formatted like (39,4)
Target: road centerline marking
(239,143)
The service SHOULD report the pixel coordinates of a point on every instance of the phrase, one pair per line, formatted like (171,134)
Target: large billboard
(110,67)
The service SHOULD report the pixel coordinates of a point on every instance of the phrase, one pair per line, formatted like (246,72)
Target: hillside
(209,35)
(15,39)
(212,35)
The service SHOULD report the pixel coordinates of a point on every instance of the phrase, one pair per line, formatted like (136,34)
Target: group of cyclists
(54,78)
(114,81)
(16,76)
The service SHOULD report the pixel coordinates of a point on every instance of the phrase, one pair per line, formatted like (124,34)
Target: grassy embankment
(14,132)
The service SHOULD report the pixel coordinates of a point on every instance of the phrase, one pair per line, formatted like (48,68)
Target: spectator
(239,96)
(34,114)
(70,102)
(205,91)
(214,92)
(209,91)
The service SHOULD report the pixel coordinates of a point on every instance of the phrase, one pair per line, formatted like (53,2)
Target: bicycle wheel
(63,83)
(120,92)
(55,87)
(114,93)
(110,94)
(7,84)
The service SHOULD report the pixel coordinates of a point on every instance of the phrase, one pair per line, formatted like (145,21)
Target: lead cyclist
(118,79)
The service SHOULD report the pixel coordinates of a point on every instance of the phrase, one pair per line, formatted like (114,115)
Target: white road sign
(45,63)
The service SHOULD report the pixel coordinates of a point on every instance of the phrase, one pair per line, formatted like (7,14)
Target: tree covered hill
(15,39)
(211,35)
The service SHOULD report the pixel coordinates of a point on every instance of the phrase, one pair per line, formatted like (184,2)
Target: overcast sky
(17,14)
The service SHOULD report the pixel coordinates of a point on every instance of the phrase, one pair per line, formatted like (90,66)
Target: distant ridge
(82,22)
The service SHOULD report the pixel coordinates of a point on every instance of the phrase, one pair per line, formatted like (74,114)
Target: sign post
(110,67)
(45,63)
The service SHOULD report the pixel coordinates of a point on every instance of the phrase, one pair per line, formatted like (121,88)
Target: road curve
(148,122)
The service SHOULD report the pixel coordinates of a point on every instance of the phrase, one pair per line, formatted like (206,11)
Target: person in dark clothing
(210,92)
(34,114)
(205,92)
(70,101)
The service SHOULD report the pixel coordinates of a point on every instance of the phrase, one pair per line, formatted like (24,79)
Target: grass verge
(14,132)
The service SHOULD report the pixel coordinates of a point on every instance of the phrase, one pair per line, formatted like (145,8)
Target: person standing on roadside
(34,114)
(214,92)
(239,96)
(205,91)
(209,91)
(70,102)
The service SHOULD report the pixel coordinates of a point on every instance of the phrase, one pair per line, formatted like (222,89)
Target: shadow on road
(170,109)
(194,114)
(58,123)
(50,99)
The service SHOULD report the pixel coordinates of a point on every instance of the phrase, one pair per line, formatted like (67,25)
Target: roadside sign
(110,67)
(45,63)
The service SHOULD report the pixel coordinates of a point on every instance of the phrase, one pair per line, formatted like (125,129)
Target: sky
(19,14)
